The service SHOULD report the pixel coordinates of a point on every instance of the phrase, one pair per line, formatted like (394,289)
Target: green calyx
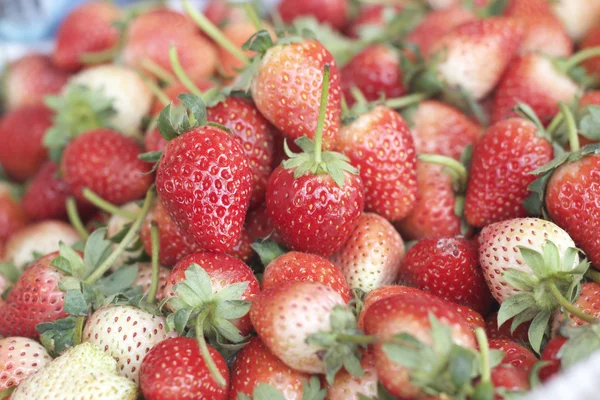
(341,344)
(571,66)
(552,283)
(396,24)
(267,250)
(582,342)
(311,390)
(78,110)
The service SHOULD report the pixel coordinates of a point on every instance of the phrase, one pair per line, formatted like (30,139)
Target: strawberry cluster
(335,200)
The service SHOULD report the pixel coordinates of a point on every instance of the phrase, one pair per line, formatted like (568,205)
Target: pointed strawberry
(19,358)
(372,255)
(379,144)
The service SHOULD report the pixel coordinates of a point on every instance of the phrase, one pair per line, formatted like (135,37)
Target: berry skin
(331,12)
(144,279)
(516,355)
(204,181)
(509,378)
(12,216)
(493,332)
(345,386)
(550,355)
(19,358)
(175,369)
(588,302)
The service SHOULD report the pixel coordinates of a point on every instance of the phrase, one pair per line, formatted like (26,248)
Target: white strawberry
(578,16)
(532,269)
(82,371)
(373,254)
(42,237)
(347,386)
(144,279)
(19,358)
(127,333)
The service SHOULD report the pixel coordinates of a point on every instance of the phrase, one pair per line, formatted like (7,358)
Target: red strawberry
(573,198)
(376,72)
(287,87)
(379,144)
(588,302)
(34,298)
(87,29)
(256,364)
(151,35)
(175,368)
(514,354)
(29,79)
(438,128)
(472,317)
(406,313)
(448,268)
(370,15)
(144,279)
(509,378)
(372,255)
(243,248)
(222,271)
(550,355)
(286,315)
(204,181)
(254,133)
(107,163)
(435,25)
(171,92)
(348,386)
(592,39)
(332,12)
(19,358)
(544,32)
(259,225)
(22,132)
(220,12)
(500,171)
(304,267)
(434,213)
(474,55)
(494,332)
(534,80)
(12,217)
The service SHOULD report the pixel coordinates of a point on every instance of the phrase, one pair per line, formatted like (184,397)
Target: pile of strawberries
(333,200)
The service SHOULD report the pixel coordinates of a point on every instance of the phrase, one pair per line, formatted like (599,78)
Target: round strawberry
(550,355)
(510,379)
(332,12)
(516,355)
(144,279)
(588,302)
(448,268)
(379,144)
(19,358)
(347,386)
(175,369)
(504,332)
(260,226)
(12,216)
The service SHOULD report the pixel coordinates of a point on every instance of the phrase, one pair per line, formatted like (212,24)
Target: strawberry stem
(214,33)
(580,57)
(568,306)
(253,16)
(74,218)
(78,330)
(571,126)
(322,111)
(555,123)
(454,167)
(405,101)
(5,394)
(99,57)
(125,243)
(104,205)
(155,240)
(359,97)
(156,91)
(593,275)
(210,363)
(484,349)
(158,71)
(181,75)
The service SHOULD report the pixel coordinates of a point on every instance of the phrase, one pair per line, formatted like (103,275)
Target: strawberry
(504,332)
(379,144)
(287,315)
(221,272)
(472,317)
(220,12)
(474,55)
(19,358)
(12,216)
(315,190)
(82,369)
(127,333)
(304,267)
(405,313)
(243,248)
(214,215)
(171,92)
(510,379)
(46,194)
(347,386)
(448,268)
(436,25)
(544,32)
(175,369)
(41,237)
(287,86)
(89,28)
(502,161)
(29,79)
(530,265)
(107,163)
(21,132)
(588,302)
(514,354)
(550,355)
(150,35)
(369,16)
(34,298)
(255,364)
(372,255)
(578,16)
(254,133)
(332,12)
(434,213)
(591,40)
(376,72)
(144,279)
(438,128)
(533,79)
(259,225)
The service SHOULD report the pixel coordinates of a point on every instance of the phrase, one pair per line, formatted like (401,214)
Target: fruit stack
(334,200)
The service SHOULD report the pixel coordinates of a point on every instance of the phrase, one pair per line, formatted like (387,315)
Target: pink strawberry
(19,358)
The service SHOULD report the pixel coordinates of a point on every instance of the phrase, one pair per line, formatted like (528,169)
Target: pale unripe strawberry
(19,358)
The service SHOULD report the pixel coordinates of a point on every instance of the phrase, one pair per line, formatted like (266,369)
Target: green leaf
(118,281)
(496,357)
(582,342)
(196,105)
(406,356)
(180,319)
(227,330)
(514,305)
(151,156)
(260,42)
(9,271)
(462,366)
(97,249)
(534,260)
(589,125)
(537,330)
(441,335)
(232,309)
(312,389)
(352,366)
(234,291)
(57,336)
(165,125)
(534,375)
(267,250)
(75,303)
(76,263)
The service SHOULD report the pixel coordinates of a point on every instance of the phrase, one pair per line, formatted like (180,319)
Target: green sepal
(260,42)
(175,120)
(268,250)
(57,336)
(396,24)
(538,329)
(10,271)
(75,303)
(262,391)
(151,156)
(582,342)
(589,125)
(311,389)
